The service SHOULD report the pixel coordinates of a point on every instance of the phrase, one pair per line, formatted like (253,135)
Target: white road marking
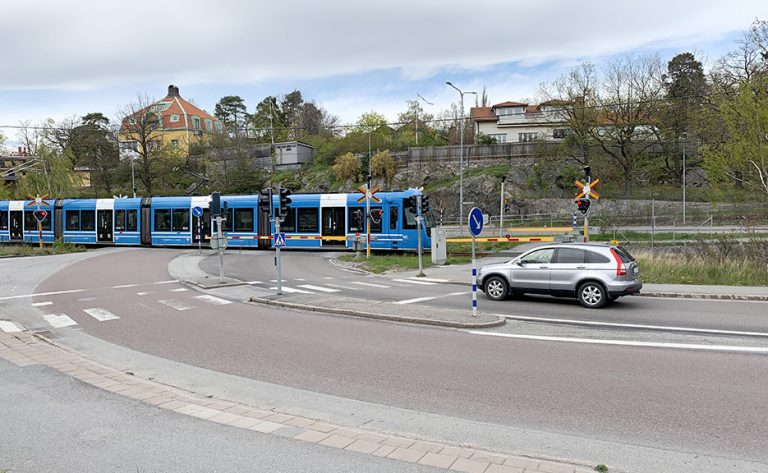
(255,282)
(300,279)
(144,293)
(213,300)
(85,299)
(429,279)
(165,282)
(292,290)
(41,304)
(178,305)
(458,293)
(181,289)
(645,327)
(413,301)
(275,280)
(318,288)
(328,277)
(9,327)
(628,343)
(59,320)
(412,281)
(22,296)
(343,287)
(369,284)
(100,314)
(122,286)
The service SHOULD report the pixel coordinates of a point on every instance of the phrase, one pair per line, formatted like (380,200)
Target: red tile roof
(178,106)
(510,104)
(482,114)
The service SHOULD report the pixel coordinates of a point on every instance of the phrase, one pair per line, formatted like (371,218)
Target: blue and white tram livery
(332,221)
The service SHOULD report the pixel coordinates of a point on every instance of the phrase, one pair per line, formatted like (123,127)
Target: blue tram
(312,221)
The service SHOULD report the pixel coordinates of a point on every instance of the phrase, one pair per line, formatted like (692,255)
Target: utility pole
(501,208)
(461,158)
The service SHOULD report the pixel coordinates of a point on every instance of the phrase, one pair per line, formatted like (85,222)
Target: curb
(371,315)
(723,297)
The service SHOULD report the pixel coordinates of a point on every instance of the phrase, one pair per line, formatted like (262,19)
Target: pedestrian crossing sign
(279,240)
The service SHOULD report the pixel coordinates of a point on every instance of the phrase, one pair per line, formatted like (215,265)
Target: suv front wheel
(592,295)
(496,288)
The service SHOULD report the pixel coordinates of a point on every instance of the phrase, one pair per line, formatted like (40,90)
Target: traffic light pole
(586,215)
(368,217)
(219,235)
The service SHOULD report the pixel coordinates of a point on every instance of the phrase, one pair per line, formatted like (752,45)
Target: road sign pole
(199,235)
(474,280)
(368,218)
(219,234)
(277,259)
(419,218)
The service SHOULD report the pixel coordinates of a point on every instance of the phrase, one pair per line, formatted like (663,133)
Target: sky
(64,58)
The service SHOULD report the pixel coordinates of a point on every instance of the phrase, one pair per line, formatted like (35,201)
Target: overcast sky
(68,58)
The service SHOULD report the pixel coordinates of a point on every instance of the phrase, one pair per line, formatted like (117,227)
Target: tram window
(289,223)
(131,220)
(376,227)
(393,218)
(119,220)
(308,220)
(162,220)
(180,220)
(356,219)
(29,221)
(73,221)
(244,220)
(226,225)
(3,220)
(87,220)
(409,218)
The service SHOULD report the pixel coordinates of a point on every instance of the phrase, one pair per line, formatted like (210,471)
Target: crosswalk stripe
(173,303)
(100,314)
(369,284)
(328,277)
(413,301)
(343,287)
(213,300)
(431,279)
(254,282)
(181,289)
(292,290)
(41,304)
(413,281)
(9,327)
(59,320)
(318,288)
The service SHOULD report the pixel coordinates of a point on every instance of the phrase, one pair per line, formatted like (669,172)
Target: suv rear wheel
(496,288)
(592,295)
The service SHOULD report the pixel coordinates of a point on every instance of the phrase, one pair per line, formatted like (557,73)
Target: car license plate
(635,270)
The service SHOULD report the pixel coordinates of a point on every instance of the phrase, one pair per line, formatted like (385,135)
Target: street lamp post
(418,96)
(461,158)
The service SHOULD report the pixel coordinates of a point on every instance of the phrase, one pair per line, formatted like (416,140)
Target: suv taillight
(621,270)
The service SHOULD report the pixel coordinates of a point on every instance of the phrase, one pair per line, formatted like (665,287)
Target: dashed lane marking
(343,287)
(213,300)
(39,294)
(626,343)
(41,304)
(85,299)
(413,301)
(275,280)
(100,314)
(318,288)
(369,284)
(413,281)
(429,279)
(144,293)
(328,277)
(181,289)
(9,327)
(458,293)
(59,320)
(254,282)
(300,279)
(292,290)
(178,305)
(165,282)
(122,286)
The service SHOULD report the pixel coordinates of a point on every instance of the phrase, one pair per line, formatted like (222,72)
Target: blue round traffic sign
(197,212)
(475,221)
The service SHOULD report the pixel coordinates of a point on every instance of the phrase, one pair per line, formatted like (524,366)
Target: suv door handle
(581,267)
(544,267)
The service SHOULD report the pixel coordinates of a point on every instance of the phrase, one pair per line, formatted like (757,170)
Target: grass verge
(634,236)
(58,248)
(695,269)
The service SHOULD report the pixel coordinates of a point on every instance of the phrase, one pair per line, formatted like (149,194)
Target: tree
(416,120)
(383,165)
(267,121)
(347,166)
(141,128)
(93,144)
(233,114)
(370,122)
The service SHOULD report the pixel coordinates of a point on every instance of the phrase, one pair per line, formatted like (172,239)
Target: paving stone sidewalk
(27,349)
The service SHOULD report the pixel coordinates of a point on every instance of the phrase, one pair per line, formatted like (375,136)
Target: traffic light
(215,204)
(412,205)
(376,215)
(265,200)
(424,204)
(285,201)
(583,205)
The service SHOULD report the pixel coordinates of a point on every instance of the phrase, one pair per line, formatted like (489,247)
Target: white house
(520,122)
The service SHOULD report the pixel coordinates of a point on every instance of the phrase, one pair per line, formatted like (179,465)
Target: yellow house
(170,122)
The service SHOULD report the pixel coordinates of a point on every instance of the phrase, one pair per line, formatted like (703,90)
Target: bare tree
(141,136)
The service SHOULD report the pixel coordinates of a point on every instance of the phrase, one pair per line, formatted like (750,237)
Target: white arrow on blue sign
(278,240)
(197,212)
(475,221)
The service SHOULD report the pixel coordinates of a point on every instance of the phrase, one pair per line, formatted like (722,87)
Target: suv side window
(597,257)
(539,256)
(570,255)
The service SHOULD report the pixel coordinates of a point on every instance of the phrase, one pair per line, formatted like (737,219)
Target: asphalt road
(710,405)
(52,423)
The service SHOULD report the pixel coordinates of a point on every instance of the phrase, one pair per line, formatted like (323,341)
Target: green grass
(693,269)
(58,248)
(630,235)
(379,263)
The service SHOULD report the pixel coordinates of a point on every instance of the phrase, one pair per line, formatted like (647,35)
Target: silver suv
(593,273)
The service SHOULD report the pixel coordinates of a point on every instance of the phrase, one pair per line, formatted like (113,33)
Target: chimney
(173,91)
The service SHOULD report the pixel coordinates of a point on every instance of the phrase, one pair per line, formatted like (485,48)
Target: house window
(175,143)
(174,118)
(526,137)
(130,145)
(218,127)
(499,137)
(196,123)
(208,125)
(561,132)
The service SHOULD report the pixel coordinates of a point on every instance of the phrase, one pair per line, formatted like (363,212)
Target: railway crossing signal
(583,198)
(40,215)
(583,205)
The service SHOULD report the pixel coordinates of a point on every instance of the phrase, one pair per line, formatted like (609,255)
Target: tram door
(204,225)
(104,226)
(17,218)
(334,225)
